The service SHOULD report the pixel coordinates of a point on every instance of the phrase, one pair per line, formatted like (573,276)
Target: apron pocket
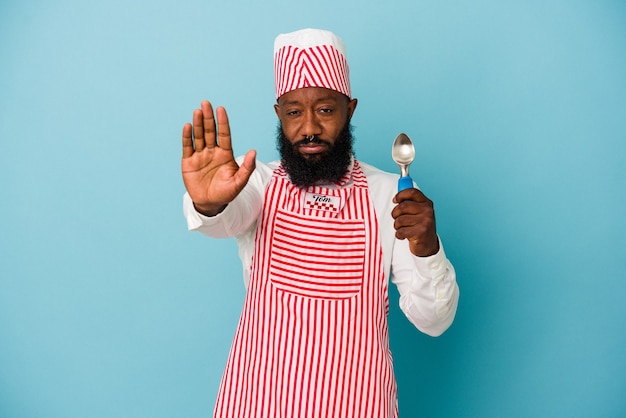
(317,257)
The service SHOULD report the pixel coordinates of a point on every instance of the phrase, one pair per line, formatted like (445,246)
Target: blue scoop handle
(405,183)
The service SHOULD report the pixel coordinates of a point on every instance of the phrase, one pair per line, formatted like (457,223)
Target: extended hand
(415,220)
(211,175)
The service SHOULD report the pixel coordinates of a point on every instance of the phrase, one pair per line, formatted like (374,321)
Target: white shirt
(427,285)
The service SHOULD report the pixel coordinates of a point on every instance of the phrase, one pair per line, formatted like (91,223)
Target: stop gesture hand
(210,173)
(414,217)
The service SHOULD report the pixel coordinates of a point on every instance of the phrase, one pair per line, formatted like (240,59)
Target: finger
(408,209)
(423,241)
(198,130)
(425,218)
(187,141)
(223,129)
(249,163)
(413,194)
(209,124)
(245,169)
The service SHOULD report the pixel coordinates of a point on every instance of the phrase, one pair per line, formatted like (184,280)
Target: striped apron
(312,340)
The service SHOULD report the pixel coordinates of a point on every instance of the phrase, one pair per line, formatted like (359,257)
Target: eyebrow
(321,99)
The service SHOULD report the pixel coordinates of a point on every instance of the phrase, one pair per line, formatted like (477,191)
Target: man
(319,235)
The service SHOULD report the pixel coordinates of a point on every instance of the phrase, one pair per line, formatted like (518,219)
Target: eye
(325,110)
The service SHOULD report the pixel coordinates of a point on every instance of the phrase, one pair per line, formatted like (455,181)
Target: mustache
(311,140)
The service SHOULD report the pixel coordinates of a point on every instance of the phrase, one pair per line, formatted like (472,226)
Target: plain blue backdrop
(110,308)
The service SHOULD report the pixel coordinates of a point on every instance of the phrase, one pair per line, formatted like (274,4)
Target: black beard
(330,168)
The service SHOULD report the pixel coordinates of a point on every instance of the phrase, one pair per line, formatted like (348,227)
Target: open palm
(210,173)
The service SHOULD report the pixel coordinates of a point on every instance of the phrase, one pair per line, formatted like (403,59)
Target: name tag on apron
(317,201)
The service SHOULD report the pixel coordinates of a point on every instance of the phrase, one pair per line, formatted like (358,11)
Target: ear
(277,110)
(352,107)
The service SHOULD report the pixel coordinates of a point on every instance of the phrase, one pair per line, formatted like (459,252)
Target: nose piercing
(309,138)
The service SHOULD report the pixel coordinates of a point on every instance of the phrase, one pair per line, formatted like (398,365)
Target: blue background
(110,308)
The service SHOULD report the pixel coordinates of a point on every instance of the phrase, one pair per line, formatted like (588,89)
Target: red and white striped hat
(310,58)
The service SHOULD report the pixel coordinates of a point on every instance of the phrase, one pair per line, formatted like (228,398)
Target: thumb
(247,167)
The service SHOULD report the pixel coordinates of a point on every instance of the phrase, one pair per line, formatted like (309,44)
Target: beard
(328,168)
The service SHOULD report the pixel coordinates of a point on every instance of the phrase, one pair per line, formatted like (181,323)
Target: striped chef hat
(310,58)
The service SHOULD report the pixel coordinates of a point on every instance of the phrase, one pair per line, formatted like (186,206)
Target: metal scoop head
(403,153)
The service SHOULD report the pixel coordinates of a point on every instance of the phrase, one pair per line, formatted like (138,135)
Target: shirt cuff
(196,220)
(432,265)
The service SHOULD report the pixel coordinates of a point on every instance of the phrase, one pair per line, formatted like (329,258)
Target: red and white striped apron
(312,339)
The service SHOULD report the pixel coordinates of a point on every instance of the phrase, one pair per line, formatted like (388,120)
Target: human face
(314,112)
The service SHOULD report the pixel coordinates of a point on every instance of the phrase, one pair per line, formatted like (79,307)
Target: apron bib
(312,340)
